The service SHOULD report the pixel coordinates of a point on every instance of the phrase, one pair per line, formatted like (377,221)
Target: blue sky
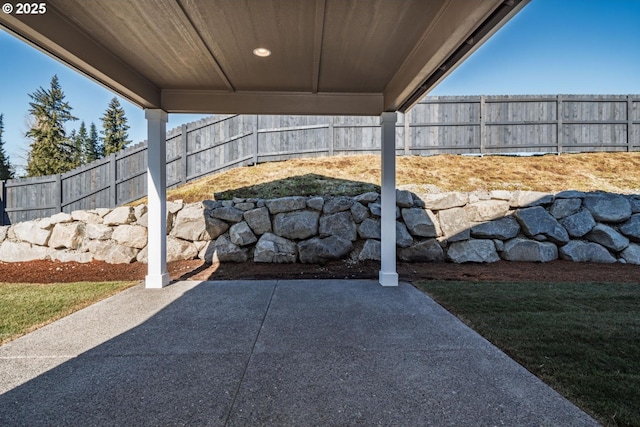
(550,47)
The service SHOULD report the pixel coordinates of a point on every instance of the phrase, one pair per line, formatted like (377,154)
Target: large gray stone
(522,199)
(70,256)
(631,228)
(562,208)
(337,204)
(132,236)
(315,203)
(634,201)
(296,225)
(86,217)
(31,232)
(425,251)
(503,229)
(403,238)
(67,235)
(578,224)
(359,212)
(421,222)
(579,251)
(22,252)
(454,224)
(272,248)
(631,254)
(607,237)
(370,251)
(259,220)
(369,229)
(240,234)
(119,216)
(178,249)
(404,199)
(606,207)
(61,218)
(227,213)
(520,249)
(338,224)
(227,251)
(111,252)
(286,204)
(486,210)
(537,221)
(440,201)
(321,250)
(192,223)
(367,198)
(475,250)
(98,231)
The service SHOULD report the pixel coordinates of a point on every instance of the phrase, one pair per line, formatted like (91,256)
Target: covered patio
(322,57)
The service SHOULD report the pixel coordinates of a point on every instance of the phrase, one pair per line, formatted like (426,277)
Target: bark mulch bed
(556,271)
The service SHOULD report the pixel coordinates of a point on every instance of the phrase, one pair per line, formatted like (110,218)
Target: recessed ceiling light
(262,52)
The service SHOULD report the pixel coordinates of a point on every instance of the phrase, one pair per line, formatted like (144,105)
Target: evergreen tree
(51,151)
(87,149)
(114,125)
(76,156)
(96,149)
(6,170)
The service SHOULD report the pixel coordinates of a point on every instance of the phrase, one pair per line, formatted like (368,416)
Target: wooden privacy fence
(458,125)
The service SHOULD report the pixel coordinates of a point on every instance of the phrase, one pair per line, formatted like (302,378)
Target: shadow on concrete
(269,353)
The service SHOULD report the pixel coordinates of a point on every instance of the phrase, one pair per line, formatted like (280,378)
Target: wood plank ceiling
(358,57)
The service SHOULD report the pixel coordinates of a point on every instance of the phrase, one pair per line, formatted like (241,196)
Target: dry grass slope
(614,172)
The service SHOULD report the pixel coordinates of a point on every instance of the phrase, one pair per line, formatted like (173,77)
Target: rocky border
(459,227)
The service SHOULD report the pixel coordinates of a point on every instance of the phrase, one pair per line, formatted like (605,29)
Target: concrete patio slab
(330,352)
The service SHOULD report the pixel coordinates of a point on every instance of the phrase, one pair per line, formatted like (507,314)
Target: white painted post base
(157,275)
(388,279)
(388,275)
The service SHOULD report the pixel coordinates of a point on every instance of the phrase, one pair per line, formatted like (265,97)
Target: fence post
(256,118)
(112,182)
(184,153)
(3,201)
(58,192)
(330,140)
(559,125)
(483,133)
(629,123)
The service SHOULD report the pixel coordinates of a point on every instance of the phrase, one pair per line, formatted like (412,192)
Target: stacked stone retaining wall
(457,227)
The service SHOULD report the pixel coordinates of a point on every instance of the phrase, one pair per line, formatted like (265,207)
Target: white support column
(388,275)
(157,275)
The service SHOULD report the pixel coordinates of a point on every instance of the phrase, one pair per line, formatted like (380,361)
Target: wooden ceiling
(357,57)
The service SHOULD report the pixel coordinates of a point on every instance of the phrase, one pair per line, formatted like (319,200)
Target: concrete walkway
(280,353)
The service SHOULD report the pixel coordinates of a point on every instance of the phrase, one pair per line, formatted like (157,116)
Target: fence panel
(436,125)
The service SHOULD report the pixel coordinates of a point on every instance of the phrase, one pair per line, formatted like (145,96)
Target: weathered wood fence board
(437,125)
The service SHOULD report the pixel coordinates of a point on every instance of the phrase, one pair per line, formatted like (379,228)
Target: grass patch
(581,339)
(349,175)
(26,307)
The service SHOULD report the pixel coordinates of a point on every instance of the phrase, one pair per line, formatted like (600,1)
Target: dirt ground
(556,271)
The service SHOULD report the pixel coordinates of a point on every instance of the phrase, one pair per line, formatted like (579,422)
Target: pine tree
(51,151)
(96,149)
(6,170)
(114,124)
(87,146)
(76,155)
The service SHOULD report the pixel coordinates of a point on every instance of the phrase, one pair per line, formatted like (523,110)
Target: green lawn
(25,307)
(582,339)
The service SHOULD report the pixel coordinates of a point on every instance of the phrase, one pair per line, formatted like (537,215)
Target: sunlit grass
(26,307)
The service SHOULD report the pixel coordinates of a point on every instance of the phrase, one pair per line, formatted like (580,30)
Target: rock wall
(456,227)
